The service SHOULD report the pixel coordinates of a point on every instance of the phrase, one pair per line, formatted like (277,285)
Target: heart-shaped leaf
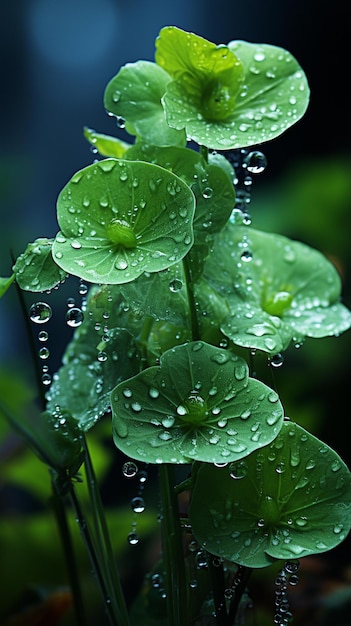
(198,404)
(119,219)
(290,499)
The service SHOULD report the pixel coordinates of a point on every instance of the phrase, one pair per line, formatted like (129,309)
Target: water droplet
(175,285)
(121,263)
(138,504)
(276,360)
(74,317)
(76,245)
(238,470)
(46,379)
(153,392)
(40,312)
(129,469)
(44,353)
(133,538)
(255,162)
(246,256)
(43,336)
(102,356)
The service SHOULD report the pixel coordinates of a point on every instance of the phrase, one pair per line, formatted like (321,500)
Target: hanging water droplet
(46,379)
(129,469)
(44,353)
(74,317)
(138,504)
(133,538)
(83,289)
(43,336)
(255,162)
(238,470)
(276,360)
(102,356)
(40,312)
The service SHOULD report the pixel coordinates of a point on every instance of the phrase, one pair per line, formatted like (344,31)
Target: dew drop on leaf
(43,336)
(40,312)
(175,285)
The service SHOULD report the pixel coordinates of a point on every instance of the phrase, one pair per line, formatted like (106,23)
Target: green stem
(218,586)
(246,573)
(107,559)
(204,152)
(195,330)
(113,613)
(71,563)
(172,551)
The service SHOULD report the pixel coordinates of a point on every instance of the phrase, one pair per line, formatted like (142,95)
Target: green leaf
(252,95)
(90,371)
(5,283)
(287,500)
(105,145)
(198,404)
(212,186)
(278,290)
(119,219)
(134,95)
(35,270)
(209,76)
(162,295)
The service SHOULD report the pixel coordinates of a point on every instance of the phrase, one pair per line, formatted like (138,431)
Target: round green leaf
(134,95)
(198,404)
(119,219)
(264,93)
(290,499)
(35,269)
(278,290)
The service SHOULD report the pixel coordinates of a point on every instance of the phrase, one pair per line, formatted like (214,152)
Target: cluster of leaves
(190,290)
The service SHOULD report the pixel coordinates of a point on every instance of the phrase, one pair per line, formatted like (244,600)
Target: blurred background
(56,57)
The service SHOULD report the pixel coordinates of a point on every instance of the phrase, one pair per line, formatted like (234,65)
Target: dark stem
(239,590)
(71,563)
(218,586)
(172,551)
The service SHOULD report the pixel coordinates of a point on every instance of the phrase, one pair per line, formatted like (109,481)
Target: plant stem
(114,615)
(71,563)
(172,551)
(103,538)
(246,573)
(217,581)
(204,152)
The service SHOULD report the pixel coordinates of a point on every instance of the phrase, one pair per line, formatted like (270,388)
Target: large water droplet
(129,469)
(40,312)
(74,317)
